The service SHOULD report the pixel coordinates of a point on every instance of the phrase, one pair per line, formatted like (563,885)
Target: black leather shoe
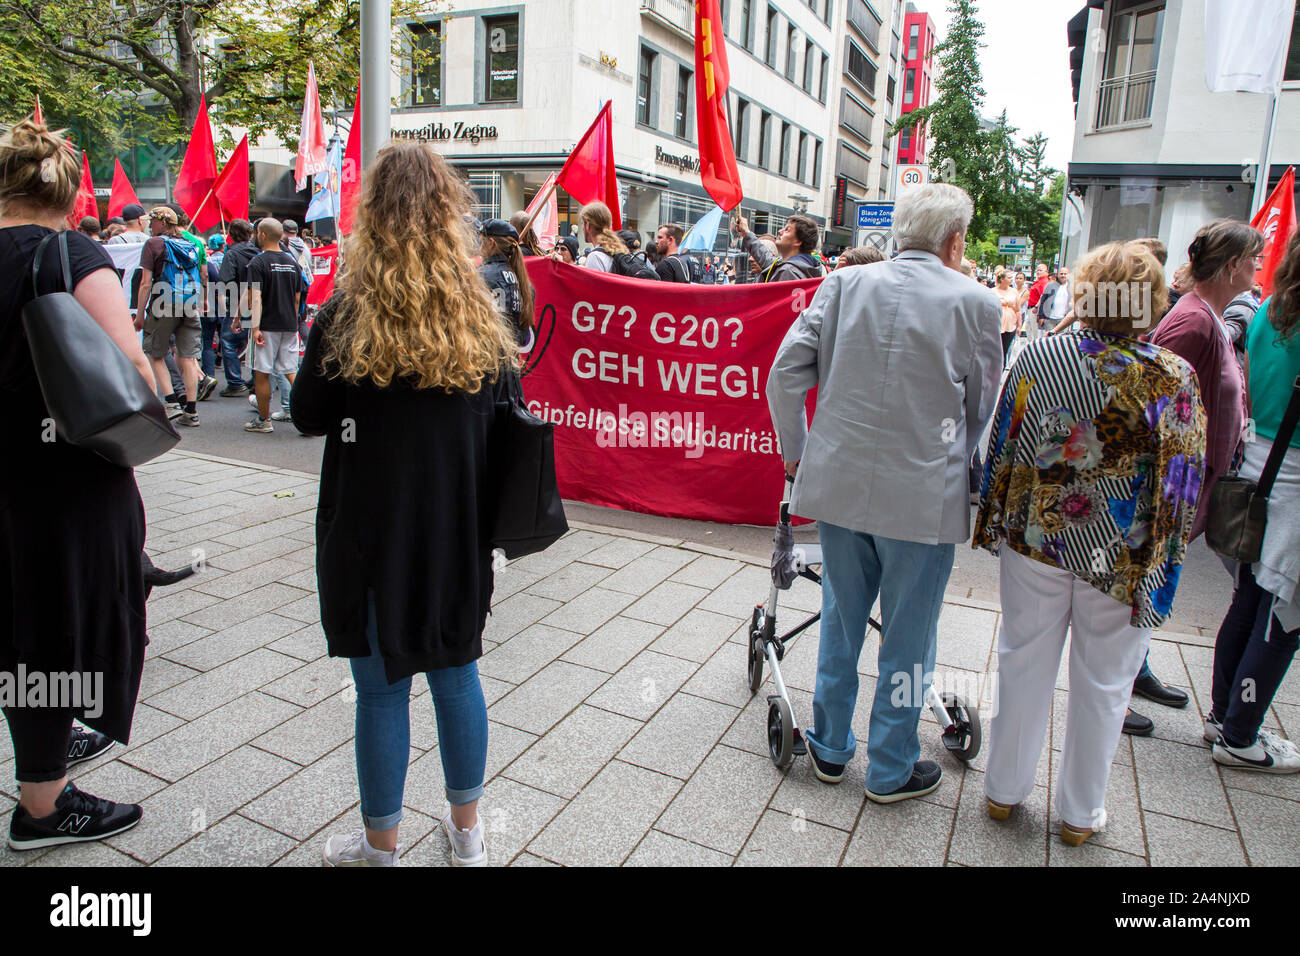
(1137,725)
(1153,689)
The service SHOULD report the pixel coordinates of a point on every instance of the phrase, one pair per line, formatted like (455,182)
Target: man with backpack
(173,288)
(673,266)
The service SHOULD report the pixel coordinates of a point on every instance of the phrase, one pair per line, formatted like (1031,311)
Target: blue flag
(704,233)
(325,188)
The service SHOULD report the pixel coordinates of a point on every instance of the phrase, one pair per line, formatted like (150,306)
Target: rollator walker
(959,720)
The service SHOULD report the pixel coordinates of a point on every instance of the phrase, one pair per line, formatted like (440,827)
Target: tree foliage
(1008,180)
(116,69)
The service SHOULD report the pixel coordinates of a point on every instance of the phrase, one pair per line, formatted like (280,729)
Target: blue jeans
(910,579)
(231,343)
(210,326)
(383,742)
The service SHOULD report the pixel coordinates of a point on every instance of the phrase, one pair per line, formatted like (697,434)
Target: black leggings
(1251,656)
(40,736)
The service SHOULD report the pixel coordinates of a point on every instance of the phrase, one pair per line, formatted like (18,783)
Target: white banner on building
(1246,43)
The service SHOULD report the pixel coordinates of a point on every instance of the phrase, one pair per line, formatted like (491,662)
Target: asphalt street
(1203,594)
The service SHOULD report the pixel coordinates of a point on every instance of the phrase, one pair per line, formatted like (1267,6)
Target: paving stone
(1179,842)
(1123,830)
(117,781)
(680,735)
(194,519)
(221,647)
(164,606)
(426,788)
(573,752)
(722,802)
(160,674)
(171,635)
(231,584)
(84,855)
(527,859)
(235,841)
(209,691)
(254,554)
(965,637)
(1091,855)
(147,723)
(516,613)
(310,685)
(527,652)
(412,831)
(980,841)
(174,814)
(667,602)
(643,686)
(587,612)
(236,610)
(696,636)
(543,700)
(314,732)
(1181,781)
(1270,828)
(604,823)
(574,545)
(802,794)
(1289,719)
(784,840)
(646,572)
(707,571)
(263,530)
(613,644)
(722,678)
(199,742)
(569,581)
(618,553)
(306,644)
(512,815)
(739,594)
(661,850)
(310,798)
(909,833)
(188,553)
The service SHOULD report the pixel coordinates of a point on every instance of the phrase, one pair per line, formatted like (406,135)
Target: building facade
(1155,152)
(918,48)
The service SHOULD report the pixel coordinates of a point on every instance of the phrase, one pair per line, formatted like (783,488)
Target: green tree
(116,69)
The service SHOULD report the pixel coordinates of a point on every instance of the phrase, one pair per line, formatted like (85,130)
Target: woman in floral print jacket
(1090,490)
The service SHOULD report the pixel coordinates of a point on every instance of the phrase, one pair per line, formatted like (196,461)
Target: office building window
(486,187)
(817,164)
(787,133)
(803,157)
(851,163)
(905,140)
(724,8)
(645,114)
(742,130)
(769,56)
(909,88)
(821,92)
(424,77)
(890,87)
(502,38)
(1127,93)
(791,52)
(747,24)
(913,37)
(682,115)
(861,68)
(765,141)
(828,12)
(1293,52)
(809,65)
(854,116)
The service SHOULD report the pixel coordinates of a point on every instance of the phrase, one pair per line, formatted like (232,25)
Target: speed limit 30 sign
(911,176)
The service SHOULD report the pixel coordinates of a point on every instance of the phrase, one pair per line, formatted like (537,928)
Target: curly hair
(1284,306)
(1111,286)
(414,308)
(38,167)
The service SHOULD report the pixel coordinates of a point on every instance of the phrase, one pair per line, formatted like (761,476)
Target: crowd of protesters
(1107,437)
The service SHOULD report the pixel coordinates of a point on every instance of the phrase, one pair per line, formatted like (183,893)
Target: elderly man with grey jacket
(906,356)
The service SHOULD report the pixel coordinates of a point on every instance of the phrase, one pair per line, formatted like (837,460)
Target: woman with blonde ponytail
(597,228)
(404,367)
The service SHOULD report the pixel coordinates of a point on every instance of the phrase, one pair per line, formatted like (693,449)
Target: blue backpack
(180,271)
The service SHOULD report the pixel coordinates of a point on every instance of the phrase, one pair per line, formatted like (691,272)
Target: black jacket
(501,279)
(234,268)
(405,500)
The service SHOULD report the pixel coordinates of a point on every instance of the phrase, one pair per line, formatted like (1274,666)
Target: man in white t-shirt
(133,215)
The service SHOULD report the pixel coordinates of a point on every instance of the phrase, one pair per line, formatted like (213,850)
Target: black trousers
(40,737)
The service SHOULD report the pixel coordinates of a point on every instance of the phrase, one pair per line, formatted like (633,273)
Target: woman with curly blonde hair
(1096,461)
(403,368)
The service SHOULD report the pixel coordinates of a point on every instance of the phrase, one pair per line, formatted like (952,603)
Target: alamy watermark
(78,690)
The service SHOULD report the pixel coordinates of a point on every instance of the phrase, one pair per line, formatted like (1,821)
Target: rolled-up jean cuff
(386,822)
(458,798)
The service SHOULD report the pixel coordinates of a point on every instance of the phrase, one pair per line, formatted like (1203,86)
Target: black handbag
(1239,506)
(95,395)
(529,514)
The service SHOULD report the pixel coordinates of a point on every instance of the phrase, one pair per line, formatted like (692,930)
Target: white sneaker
(281,416)
(252,399)
(1269,754)
(467,846)
(352,849)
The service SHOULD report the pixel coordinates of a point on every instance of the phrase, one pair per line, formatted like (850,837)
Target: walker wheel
(754,667)
(963,742)
(780,733)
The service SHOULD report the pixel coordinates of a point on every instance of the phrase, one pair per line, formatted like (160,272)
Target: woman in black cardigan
(403,369)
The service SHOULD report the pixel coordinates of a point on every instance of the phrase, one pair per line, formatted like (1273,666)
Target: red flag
(37,116)
(1276,219)
(198,173)
(350,188)
(588,174)
(311,138)
(718,169)
(85,204)
(230,191)
(122,193)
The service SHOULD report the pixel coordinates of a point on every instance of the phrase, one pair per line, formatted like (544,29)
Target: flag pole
(1262,174)
(536,212)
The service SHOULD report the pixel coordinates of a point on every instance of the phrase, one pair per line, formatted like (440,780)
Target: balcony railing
(1125,100)
(677,15)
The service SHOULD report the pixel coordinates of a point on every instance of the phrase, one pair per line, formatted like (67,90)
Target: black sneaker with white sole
(86,745)
(926,777)
(826,771)
(77,818)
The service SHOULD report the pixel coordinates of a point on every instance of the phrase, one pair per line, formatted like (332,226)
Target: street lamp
(800,202)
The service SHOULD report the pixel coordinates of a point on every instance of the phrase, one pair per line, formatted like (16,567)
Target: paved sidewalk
(622,729)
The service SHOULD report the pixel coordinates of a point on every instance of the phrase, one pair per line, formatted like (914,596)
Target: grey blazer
(906,356)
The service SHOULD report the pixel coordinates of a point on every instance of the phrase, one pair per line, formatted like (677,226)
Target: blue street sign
(876,215)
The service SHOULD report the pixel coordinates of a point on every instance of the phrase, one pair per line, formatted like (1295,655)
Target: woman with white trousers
(1089,492)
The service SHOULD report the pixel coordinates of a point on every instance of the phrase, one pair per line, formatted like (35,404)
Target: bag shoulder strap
(65,261)
(1281,443)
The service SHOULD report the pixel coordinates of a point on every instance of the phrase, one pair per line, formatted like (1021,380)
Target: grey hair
(926,216)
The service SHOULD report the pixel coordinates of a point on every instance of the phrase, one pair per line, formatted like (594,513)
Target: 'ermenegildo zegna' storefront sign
(441,132)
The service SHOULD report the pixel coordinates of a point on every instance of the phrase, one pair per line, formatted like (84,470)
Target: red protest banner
(657,390)
(324,262)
